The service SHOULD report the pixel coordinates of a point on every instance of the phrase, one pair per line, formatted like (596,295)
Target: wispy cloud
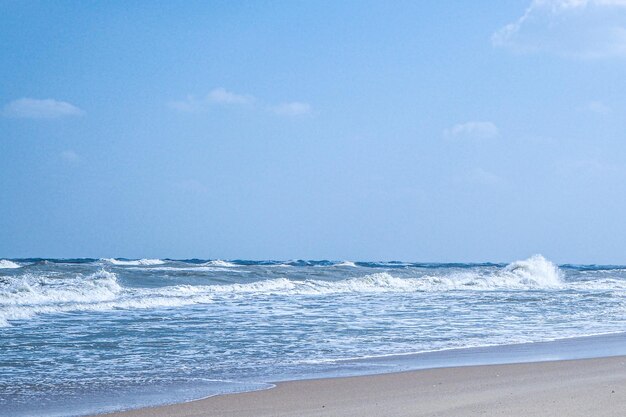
(588,166)
(225,98)
(573,28)
(598,107)
(295,108)
(217,96)
(472,129)
(30,108)
(70,155)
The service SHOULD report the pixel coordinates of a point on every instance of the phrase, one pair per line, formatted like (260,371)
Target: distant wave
(29,295)
(384,282)
(199,268)
(347,263)
(6,264)
(533,273)
(134,262)
(219,263)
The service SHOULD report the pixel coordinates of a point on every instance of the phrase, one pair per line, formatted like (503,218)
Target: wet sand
(583,387)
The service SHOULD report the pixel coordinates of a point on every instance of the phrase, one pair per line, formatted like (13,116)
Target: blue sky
(440,131)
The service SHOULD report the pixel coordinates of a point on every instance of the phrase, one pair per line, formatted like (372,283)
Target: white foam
(6,264)
(347,263)
(605,284)
(134,262)
(29,295)
(219,263)
(536,271)
(193,268)
(533,273)
(30,289)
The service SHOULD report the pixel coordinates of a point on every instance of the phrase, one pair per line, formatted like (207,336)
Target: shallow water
(93,335)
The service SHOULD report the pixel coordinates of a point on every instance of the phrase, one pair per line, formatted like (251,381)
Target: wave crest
(138,262)
(6,264)
(220,263)
(30,289)
(28,295)
(25,296)
(536,271)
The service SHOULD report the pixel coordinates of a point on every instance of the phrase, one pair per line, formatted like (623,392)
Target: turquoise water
(92,335)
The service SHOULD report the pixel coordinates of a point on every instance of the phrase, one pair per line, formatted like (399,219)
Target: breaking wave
(219,263)
(192,269)
(6,264)
(138,262)
(533,273)
(27,295)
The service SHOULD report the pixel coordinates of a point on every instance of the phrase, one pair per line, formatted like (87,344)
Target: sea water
(81,336)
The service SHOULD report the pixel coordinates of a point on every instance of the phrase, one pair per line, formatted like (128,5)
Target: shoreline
(148,396)
(578,387)
(602,346)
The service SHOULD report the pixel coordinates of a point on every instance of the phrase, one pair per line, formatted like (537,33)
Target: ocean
(80,336)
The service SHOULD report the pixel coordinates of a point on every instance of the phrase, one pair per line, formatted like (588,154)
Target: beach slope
(586,387)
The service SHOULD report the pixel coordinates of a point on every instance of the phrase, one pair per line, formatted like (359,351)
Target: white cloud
(189,104)
(217,96)
(223,97)
(574,28)
(295,108)
(589,166)
(70,155)
(598,107)
(480,130)
(30,108)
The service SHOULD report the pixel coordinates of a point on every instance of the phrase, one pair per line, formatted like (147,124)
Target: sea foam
(535,273)
(28,295)
(138,262)
(6,264)
(219,263)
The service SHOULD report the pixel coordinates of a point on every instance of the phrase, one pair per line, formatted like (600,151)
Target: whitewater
(101,333)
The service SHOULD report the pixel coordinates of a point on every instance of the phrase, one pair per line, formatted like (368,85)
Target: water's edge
(575,348)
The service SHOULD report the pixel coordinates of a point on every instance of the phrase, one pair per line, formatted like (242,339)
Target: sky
(439,131)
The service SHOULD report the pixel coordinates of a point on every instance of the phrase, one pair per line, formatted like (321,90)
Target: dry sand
(586,387)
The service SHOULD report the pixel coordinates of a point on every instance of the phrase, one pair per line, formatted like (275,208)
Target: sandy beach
(585,387)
